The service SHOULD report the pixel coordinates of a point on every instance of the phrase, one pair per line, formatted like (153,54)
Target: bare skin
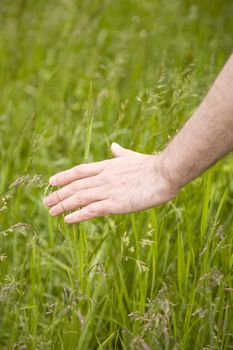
(133,181)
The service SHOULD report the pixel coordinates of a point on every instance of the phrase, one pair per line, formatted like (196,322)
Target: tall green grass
(74,77)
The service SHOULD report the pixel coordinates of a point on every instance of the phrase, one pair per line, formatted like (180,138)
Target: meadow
(74,77)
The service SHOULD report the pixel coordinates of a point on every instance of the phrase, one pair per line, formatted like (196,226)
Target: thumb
(119,151)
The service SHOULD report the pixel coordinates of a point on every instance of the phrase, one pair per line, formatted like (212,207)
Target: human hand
(127,183)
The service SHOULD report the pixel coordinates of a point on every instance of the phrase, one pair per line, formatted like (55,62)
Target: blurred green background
(160,279)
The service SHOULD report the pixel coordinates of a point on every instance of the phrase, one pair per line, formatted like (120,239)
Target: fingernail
(68,218)
(53,180)
(52,211)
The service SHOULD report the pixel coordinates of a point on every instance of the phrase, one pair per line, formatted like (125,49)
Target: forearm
(207,136)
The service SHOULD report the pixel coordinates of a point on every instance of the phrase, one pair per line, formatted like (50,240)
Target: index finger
(75,173)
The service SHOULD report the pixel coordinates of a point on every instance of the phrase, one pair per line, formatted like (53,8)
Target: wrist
(172,171)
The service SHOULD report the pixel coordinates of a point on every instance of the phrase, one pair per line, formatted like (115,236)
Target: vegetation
(76,76)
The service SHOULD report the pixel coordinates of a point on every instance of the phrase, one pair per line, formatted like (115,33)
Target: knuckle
(104,211)
(80,168)
(97,211)
(74,186)
(60,207)
(80,200)
(92,211)
(55,197)
(63,176)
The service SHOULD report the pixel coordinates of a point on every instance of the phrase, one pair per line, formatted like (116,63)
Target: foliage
(75,76)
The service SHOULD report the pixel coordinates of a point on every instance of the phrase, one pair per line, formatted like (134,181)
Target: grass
(76,76)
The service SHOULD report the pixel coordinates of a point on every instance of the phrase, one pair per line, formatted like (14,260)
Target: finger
(91,211)
(79,199)
(75,173)
(69,190)
(119,151)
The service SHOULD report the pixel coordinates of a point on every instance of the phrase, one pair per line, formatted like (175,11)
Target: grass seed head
(29,181)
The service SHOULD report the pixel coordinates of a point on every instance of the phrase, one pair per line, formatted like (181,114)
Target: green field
(159,279)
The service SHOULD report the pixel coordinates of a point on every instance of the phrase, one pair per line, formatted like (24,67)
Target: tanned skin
(133,181)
